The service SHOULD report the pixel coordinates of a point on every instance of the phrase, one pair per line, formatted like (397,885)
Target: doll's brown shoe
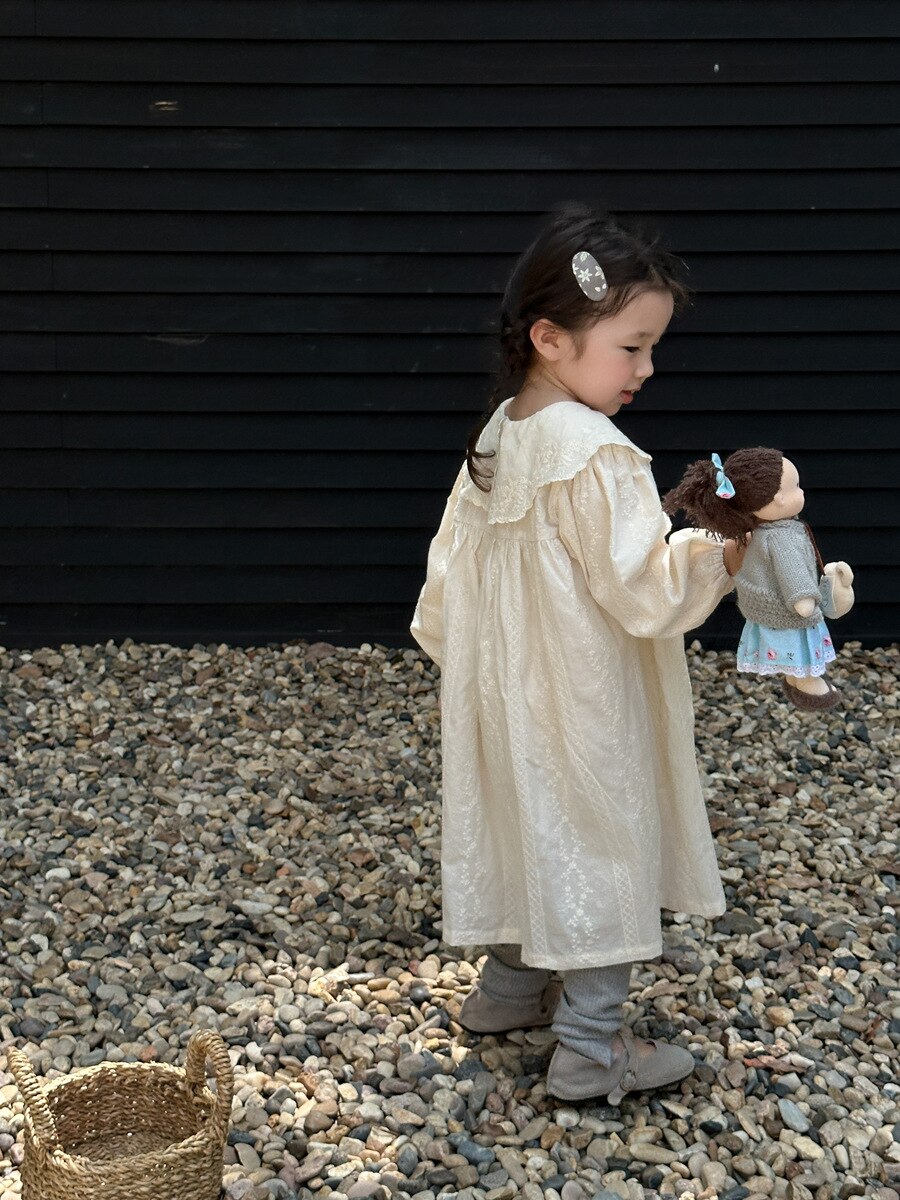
(807,700)
(480,1014)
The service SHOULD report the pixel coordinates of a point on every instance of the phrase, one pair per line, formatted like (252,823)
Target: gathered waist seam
(509,537)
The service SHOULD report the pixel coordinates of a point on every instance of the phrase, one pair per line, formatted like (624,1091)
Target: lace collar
(552,444)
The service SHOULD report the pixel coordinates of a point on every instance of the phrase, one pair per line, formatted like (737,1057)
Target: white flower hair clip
(589,275)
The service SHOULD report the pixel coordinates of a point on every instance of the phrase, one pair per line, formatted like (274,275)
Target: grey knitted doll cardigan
(779,568)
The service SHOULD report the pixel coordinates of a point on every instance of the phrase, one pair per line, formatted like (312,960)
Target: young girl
(572,806)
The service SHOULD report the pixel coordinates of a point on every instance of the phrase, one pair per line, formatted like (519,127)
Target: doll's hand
(805,606)
(733,554)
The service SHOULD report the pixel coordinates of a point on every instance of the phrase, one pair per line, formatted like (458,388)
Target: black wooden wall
(252,251)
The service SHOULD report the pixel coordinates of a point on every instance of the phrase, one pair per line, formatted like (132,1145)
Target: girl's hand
(733,554)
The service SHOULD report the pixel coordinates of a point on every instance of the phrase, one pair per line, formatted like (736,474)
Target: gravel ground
(247,839)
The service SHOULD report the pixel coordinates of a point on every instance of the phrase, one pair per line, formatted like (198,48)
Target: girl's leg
(590,1010)
(506,979)
(596,1050)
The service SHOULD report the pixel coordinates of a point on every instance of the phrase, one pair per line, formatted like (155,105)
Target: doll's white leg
(814,685)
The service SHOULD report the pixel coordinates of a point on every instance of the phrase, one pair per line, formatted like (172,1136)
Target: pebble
(247,839)
(792,1116)
(649,1153)
(807,1148)
(713,1175)
(475,1154)
(407,1160)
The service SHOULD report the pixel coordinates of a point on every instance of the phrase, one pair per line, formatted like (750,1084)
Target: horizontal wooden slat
(233,584)
(728,149)
(26,352)
(30,271)
(484,106)
(271,19)
(443,280)
(855,428)
(769,392)
(320,547)
(340,508)
(343,624)
(19,188)
(581,59)
(756,309)
(515,190)
(350,468)
(20,103)
(221,547)
(229,584)
(367,353)
(18,18)
(710,237)
(30,510)
(187,625)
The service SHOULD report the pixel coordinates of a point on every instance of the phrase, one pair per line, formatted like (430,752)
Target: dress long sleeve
(612,523)
(428,620)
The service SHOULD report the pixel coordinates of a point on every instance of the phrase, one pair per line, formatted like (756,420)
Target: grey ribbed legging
(589,1010)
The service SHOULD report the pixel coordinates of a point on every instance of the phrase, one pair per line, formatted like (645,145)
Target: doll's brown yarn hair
(542,285)
(755,473)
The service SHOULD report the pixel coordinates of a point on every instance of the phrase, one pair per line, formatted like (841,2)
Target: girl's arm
(428,622)
(612,523)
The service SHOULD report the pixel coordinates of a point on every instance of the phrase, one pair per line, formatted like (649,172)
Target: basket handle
(35,1101)
(208,1044)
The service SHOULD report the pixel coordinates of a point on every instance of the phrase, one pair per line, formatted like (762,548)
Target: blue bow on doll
(725,487)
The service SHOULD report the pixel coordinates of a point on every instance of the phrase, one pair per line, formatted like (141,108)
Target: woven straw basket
(127,1131)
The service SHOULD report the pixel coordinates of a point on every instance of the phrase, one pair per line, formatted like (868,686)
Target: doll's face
(788,500)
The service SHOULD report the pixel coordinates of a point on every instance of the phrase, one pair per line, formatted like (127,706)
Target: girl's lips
(627,397)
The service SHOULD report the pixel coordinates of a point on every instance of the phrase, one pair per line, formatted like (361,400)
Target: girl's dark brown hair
(542,285)
(755,473)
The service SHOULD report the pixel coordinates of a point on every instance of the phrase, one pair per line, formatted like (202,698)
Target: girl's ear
(548,339)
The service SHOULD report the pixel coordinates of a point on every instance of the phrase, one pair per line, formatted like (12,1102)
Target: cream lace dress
(572,809)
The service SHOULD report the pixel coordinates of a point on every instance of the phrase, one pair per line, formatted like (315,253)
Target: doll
(755,499)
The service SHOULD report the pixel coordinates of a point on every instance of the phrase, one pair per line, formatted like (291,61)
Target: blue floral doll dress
(779,568)
(796,652)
